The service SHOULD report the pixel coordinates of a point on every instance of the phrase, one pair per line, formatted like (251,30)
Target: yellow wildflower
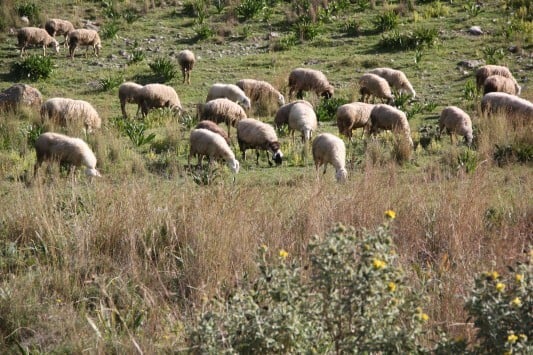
(517,302)
(509,352)
(283,254)
(523,337)
(264,247)
(500,287)
(392,286)
(519,277)
(511,339)
(424,317)
(378,264)
(390,214)
(493,275)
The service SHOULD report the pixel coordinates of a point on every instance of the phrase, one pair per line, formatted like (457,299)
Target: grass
(124,263)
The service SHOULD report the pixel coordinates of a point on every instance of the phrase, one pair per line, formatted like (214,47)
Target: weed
(470,90)
(386,21)
(110,82)
(34,67)
(198,9)
(284,43)
(164,68)
(30,10)
(420,38)
(517,151)
(109,10)
(205,177)
(493,55)
(468,160)
(110,29)
(136,131)
(137,55)
(203,31)
(248,9)
(130,15)
(305,29)
(437,9)
(326,109)
(472,8)
(352,28)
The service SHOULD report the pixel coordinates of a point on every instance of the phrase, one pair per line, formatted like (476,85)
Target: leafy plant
(109,10)
(205,177)
(203,31)
(518,151)
(32,132)
(470,91)
(30,10)
(420,38)
(472,8)
(327,109)
(352,28)
(493,55)
(468,159)
(198,9)
(110,29)
(137,55)
(437,9)
(284,43)
(136,131)
(248,9)
(386,21)
(110,82)
(130,15)
(305,29)
(164,68)
(34,67)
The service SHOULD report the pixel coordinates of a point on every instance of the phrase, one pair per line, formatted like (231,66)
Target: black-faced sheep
(302,118)
(518,110)
(35,36)
(330,149)
(385,117)
(374,85)
(186,60)
(84,37)
(498,83)
(303,79)
(129,92)
(221,111)
(68,111)
(352,116)
(396,79)
(158,96)
(55,26)
(206,143)
(456,121)
(483,72)
(213,127)
(228,91)
(261,92)
(254,134)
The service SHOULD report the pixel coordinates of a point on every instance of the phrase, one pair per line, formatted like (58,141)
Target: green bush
(386,21)
(110,29)
(203,31)
(164,68)
(352,28)
(305,29)
(30,10)
(110,82)
(135,130)
(420,38)
(327,109)
(248,9)
(34,67)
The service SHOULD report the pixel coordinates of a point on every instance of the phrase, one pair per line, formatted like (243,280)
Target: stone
(20,95)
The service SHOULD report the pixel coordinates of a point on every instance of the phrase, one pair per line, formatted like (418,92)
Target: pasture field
(127,262)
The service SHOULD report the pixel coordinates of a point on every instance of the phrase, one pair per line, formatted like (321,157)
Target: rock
(25,20)
(471,64)
(20,95)
(475,31)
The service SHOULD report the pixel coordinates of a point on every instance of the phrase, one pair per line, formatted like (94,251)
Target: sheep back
(203,142)
(128,92)
(254,134)
(483,72)
(385,117)
(374,85)
(213,127)
(282,114)
(186,60)
(66,111)
(260,92)
(352,116)
(510,106)
(330,149)
(84,37)
(396,79)
(229,91)
(456,121)
(498,83)
(304,79)
(221,111)
(302,118)
(35,36)
(158,96)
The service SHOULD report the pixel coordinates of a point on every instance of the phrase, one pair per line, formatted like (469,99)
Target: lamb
(75,152)
(221,110)
(261,92)
(498,83)
(60,27)
(229,91)
(186,60)
(456,121)
(84,37)
(158,96)
(483,72)
(389,118)
(302,118)
(303,79)
(129,92)
(352,116)
(35,36)
(213,127)
(509,105)
(396,79)
(374,85)
(282,115)
(254,134)
(204,142)
(67,111)
(328,148)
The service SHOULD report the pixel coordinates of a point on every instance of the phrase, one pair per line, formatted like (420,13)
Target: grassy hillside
(126,262)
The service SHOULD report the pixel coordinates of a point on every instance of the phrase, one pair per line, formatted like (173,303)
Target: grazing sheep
(213,127)
(328,148)
(303,79)
(84,37)
(302,118)
(158,96)
(129,92)
(456,121)
(55,26)
(35,36)
(204,142)
(186,60)
(498,83)
(75,152)
(483,72)
(229,91)
(221,110)
(282,115)
(261,92)
(67,111)
(396,79)
(389,118)
(510,106)
(352,116)
(374,85)
(254,134)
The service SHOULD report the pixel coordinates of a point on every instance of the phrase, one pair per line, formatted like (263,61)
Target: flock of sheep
(229,103)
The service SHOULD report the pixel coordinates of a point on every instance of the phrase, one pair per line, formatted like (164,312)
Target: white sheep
(203,142)
(213,127)
(55,26)
(228,91)
(129,92)
(374,85)
(352,116)
(330,149)
(260,92)
(84,37)
(455,120)
(385,117)
(282,114)
(483,72)
(35,36)
(186,60)
(75,152)
(304,79)
(66,111)
(221,111)
(498,83)
(254,134)
(302,118)
(396,79)
(158,96)
(510,106)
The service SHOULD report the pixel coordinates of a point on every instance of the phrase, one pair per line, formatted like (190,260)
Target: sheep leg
(257,157)
(300,94)
(44,50)
(123,109)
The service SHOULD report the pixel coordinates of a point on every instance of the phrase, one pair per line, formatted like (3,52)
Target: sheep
(456,121)
(498,83)
(158,96)
(509,105)
(260,92)
(374,85)
(396,79)
(229,91)
(35,36)
(254,134)
(204,142)
(66,111)
(483,72)
(129,92)
(186,60)
(352,116)
(302,118)
(303,79)
(84,37)
(328,148)
(60,27)
(221,110)
(213,127)
(389,118)
(282,115)
(75,152)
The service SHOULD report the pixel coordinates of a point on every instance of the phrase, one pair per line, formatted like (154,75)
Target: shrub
(470,91)
(137,55)
(305,29)
(437,10)
(130,15)
(493,55)
(327,109)
(136,131)
(284,43)
(164,68)
(420,38)
(33,67)
(110,82)
(352,28)
(248,9)
(386,21)
(30,10)
(110,29)
(203,31)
